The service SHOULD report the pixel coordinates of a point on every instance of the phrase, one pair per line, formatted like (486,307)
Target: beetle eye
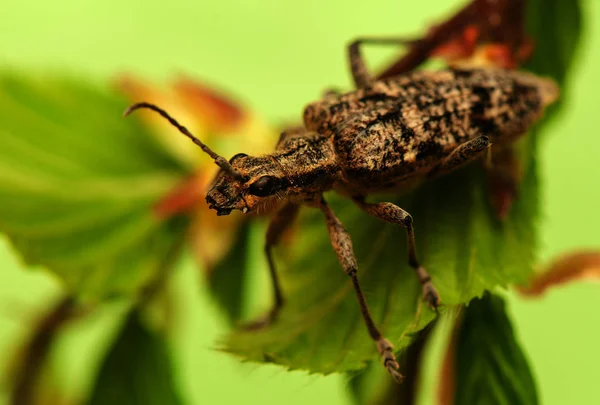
(264,186)
(234,157)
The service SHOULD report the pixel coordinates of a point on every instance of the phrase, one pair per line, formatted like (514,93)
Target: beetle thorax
(309,162)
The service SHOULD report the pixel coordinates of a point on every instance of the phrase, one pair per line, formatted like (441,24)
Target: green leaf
(137,370)
(227,279)
(78,183)
(463,246)
(555,26)
(490,366)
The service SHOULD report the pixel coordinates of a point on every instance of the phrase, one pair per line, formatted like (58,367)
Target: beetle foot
(386,350)
(262,322)
(431,295)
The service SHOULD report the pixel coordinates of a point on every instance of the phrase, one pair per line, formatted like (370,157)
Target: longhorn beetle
(386,135)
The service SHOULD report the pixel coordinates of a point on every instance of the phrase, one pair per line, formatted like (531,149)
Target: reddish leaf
(446,378)
(582,265)
(184,198)
(460,47)
(218,111)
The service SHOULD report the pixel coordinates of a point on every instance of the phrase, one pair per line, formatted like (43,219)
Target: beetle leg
(331,93)
(504,174)
(279,223)
(342,245)
(482,14)
(360,73)
(502,166)
(392,213)
(463,154)
(290,133)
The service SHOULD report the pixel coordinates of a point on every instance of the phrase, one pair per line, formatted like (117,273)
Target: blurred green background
(275,56)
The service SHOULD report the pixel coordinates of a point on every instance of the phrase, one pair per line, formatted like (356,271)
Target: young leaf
(489,365)
(137,370)
(78,184)
(465,249)
(555,26)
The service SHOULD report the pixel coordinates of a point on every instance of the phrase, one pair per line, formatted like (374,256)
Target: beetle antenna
(219,160)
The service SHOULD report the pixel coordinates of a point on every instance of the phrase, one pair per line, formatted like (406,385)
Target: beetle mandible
(387,135)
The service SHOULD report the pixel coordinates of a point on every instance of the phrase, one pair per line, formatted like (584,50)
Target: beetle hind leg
(391,213)
(360,73)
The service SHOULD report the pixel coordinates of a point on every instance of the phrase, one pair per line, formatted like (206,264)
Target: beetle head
(262,185)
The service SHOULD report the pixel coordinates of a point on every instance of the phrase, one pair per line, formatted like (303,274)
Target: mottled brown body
(385,135)
(393,130)
(389,134)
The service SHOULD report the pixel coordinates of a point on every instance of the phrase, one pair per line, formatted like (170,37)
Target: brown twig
(37,349)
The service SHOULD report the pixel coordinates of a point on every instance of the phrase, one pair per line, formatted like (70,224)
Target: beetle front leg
(279,223)
(342,245)
(360,73)
(392,213)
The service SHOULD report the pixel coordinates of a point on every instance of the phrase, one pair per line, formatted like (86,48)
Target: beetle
(386,135)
